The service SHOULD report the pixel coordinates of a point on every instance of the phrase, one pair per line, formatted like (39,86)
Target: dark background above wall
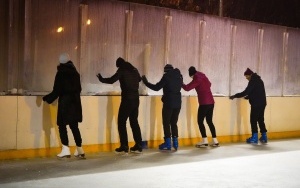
(278,12)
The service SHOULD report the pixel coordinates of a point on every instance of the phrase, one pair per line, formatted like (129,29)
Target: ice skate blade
(201,146)
(64,157)
(123,153)
(167,150)
(136,152)
(81,156)
(215,146)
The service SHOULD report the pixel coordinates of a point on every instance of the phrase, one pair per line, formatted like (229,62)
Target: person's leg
(122,118)
(77,137)
(174,127)
(63,135)
(261,120)
(209,117)
(166,115)
(202,110)
(135,127)
(209,121)
(254,114)
(174,120)
(76,133)
(262,126)
(65,152)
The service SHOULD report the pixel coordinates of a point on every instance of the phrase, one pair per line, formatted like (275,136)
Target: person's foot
(122,150)
(201,145)
(136,149)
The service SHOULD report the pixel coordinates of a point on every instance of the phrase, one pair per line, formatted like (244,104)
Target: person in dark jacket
(171,83)
(129,79)
(255,92)
(206,105)
(67,89)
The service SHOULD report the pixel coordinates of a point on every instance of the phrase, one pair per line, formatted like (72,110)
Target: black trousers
(64,134)
(206,111)
(257,116)
(170,117)
(129,108)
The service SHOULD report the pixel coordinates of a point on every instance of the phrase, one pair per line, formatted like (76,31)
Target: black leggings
(206,111)
(64,134)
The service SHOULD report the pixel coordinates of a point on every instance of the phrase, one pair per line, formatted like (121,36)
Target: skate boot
(202,144)
(79,153)
(65,152)
(122,150)
(175,143)
(215,143)
(263,139)
(166,145)
(137,148)
(253,139)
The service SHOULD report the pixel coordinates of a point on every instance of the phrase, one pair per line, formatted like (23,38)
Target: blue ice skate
(253,139)
(166,145)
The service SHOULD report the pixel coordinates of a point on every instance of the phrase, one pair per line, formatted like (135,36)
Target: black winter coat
(255,91)
(171,83)
(129,78)
(67,89)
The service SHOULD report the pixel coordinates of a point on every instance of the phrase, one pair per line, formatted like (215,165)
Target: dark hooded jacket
(129,78)
(255,91)
(171,83)
(67,89)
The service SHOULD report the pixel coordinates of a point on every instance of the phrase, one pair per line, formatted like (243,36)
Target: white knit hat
(64,58)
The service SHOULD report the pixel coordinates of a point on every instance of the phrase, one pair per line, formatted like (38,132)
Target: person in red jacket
(206,105)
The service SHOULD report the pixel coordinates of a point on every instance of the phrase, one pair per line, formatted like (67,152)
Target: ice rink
(276,164)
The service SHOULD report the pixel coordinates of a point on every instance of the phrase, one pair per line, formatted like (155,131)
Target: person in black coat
(129,79)
(171,83)
(255,92)
(67,89)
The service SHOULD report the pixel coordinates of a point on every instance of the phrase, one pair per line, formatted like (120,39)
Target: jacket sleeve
(190,86)
(158,85)
(246,92)
(56,90)
(111,79)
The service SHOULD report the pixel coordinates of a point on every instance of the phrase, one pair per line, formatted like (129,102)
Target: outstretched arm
(190,85)
(109,80)
(155,87)
(244,93)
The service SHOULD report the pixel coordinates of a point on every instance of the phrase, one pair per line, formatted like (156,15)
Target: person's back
(203,89)
(171,90)
(257,96)
(129,79)
(171,83)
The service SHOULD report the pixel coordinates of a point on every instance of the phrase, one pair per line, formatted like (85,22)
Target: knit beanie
(192,71)
(64,58)
(248,72)
(168,67)
(119,61)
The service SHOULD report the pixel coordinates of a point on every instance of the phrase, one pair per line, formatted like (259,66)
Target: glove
(45,99)
(99,76)
(231,97)
(144,79)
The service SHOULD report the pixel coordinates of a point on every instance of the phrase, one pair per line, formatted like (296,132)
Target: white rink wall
(29,123)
